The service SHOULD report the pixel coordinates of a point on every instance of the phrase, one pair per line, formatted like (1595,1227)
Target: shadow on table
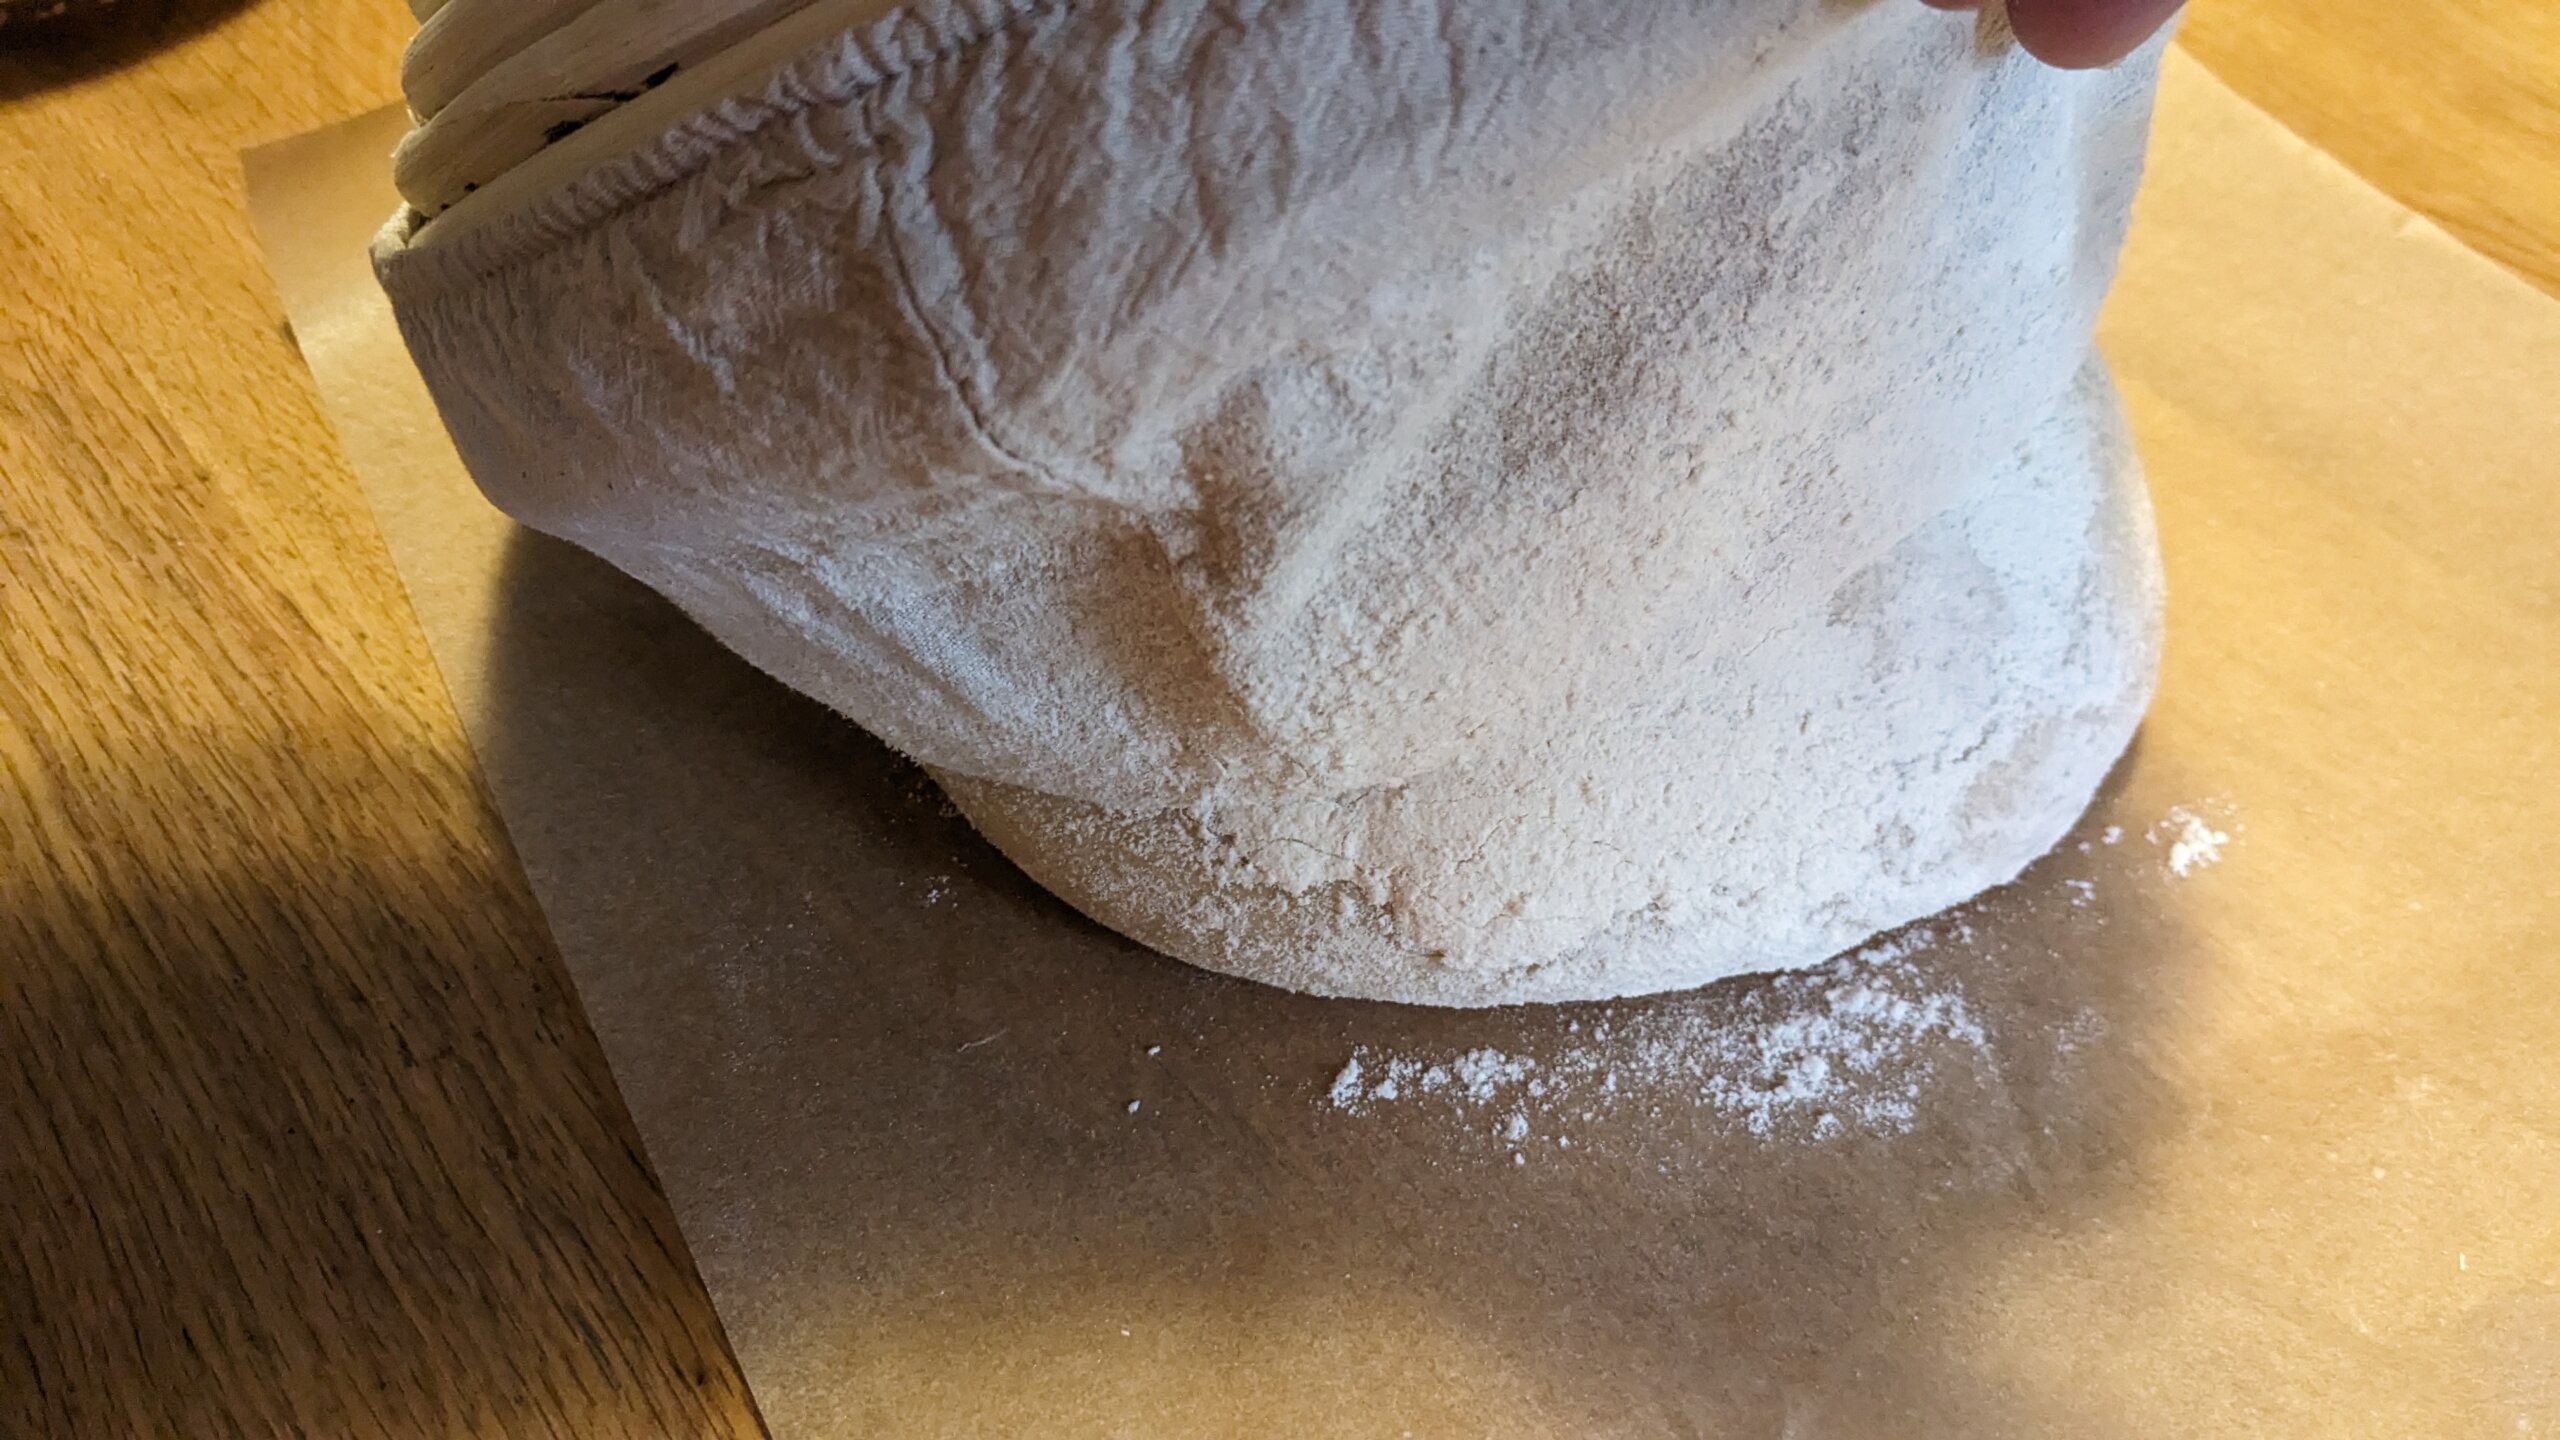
(888,1083)
(42,49)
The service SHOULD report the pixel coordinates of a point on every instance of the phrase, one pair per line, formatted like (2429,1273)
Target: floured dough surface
(1440,502)
(1943,716)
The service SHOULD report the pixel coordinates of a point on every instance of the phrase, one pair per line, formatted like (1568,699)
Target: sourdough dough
(1448,502)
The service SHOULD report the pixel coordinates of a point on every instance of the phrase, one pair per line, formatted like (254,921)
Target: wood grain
(2451,107)
(300,1129)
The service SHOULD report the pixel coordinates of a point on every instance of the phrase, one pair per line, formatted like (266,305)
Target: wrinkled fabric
(1205,419)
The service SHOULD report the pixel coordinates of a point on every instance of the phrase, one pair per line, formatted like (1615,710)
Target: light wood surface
(2451,107)
(300,1129)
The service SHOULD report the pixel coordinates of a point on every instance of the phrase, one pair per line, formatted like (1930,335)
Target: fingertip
(2086,34)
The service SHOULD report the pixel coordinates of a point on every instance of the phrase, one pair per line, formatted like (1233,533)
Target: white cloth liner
(1460,502)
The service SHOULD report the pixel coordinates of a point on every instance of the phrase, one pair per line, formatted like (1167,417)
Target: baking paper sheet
(2234,1117)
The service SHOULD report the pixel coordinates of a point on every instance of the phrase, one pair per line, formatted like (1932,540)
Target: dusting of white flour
(1847,1046)
(1850,1047)
(2193,843)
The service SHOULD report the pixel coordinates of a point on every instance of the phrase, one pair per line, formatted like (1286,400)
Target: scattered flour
(2194,845)
(1849,1047)
(1845,1047)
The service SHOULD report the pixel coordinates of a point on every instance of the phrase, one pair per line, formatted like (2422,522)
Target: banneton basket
(1516,500)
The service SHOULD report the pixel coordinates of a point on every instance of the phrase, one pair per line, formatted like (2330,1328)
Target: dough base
(1934,726)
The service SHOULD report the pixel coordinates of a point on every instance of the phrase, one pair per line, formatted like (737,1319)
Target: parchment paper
(2241,1124)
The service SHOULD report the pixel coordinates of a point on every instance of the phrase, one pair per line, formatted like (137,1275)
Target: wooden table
(300,1128)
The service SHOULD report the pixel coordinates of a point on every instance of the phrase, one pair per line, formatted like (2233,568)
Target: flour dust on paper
(1864,1045)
